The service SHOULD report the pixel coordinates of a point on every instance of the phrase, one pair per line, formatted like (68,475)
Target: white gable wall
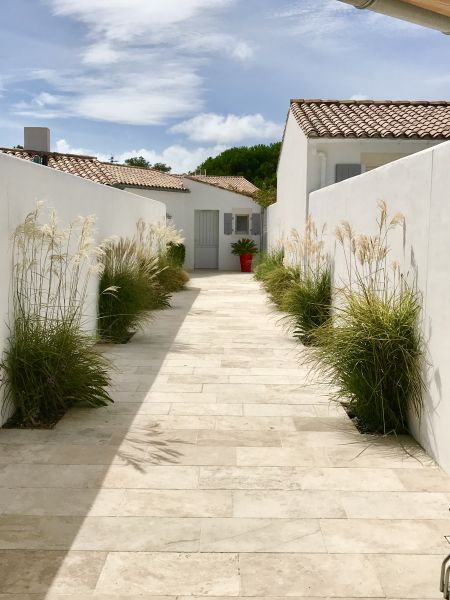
(290,209)
(307,165)
(202,196)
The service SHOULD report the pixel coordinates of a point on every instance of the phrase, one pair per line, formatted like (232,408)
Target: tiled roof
(83,166)
(142,177)
(237,184)
(91,168)
(373,119)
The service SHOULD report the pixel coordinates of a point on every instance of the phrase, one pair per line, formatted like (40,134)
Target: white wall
(202,196)
(290,208)
(23,183)
(417,186)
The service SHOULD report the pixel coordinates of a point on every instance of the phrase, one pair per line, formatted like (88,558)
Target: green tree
(265,196)
(162,167)
(137,161)
(257,163)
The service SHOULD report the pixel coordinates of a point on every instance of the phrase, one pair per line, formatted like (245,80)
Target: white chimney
(36,138)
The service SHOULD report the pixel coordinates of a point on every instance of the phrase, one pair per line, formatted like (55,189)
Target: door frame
(198,247)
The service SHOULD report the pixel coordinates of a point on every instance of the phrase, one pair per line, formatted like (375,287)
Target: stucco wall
(418,186)
(307,165)
(290,209)
(23,183)
(181,206)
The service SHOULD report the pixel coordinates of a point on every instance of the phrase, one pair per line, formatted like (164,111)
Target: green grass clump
(373,355)
(129,290)
(267,262)
(125,303)
(176,254)
(278,281)
(48,368)
(171,277)
(308,303)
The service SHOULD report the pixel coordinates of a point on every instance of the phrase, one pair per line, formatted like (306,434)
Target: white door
(206,254)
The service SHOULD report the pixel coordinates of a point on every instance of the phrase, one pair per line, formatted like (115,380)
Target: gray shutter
(347,171)
(256,224)
(228,223)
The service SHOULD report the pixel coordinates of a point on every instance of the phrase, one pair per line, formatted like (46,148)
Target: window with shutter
(345,171)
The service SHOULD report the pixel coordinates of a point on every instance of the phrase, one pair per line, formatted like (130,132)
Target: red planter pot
(246,262)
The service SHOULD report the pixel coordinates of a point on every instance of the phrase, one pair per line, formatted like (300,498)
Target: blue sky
(179,80)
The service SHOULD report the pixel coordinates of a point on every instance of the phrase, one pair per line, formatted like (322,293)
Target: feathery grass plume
(306,250)
(50,362)
(308,301)
(372,353)
(157,239)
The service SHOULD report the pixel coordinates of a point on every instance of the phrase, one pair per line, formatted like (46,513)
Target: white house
(212,211)
(327,141)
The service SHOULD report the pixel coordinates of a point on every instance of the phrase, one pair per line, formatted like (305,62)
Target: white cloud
(63,146)
(218,42)
(325,24)
(140,62)
(242,51)
(180,158)
(120,97)
(210,127)
(101,54)
(125,20)
(359,97)
(317,21)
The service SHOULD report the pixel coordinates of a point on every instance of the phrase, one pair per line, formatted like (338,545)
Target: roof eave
(149,187)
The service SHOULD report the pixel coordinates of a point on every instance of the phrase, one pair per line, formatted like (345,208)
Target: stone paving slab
(221,471)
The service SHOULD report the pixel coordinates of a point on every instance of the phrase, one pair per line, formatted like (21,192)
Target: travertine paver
(220,471)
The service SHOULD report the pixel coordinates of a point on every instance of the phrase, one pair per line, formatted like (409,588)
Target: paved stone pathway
(219,471)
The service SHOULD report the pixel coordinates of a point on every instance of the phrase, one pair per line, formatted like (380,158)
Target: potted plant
(245,249)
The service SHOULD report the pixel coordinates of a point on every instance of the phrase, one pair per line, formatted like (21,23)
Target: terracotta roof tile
(83,166)
(141,177)
(373,118)
(237,184)
(91,168)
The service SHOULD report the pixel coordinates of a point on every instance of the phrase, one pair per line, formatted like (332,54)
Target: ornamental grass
(372,352)
(267,262)
(51,363)
(137,279)
(298,281)
(307,303)
(129,290)
(279,281)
